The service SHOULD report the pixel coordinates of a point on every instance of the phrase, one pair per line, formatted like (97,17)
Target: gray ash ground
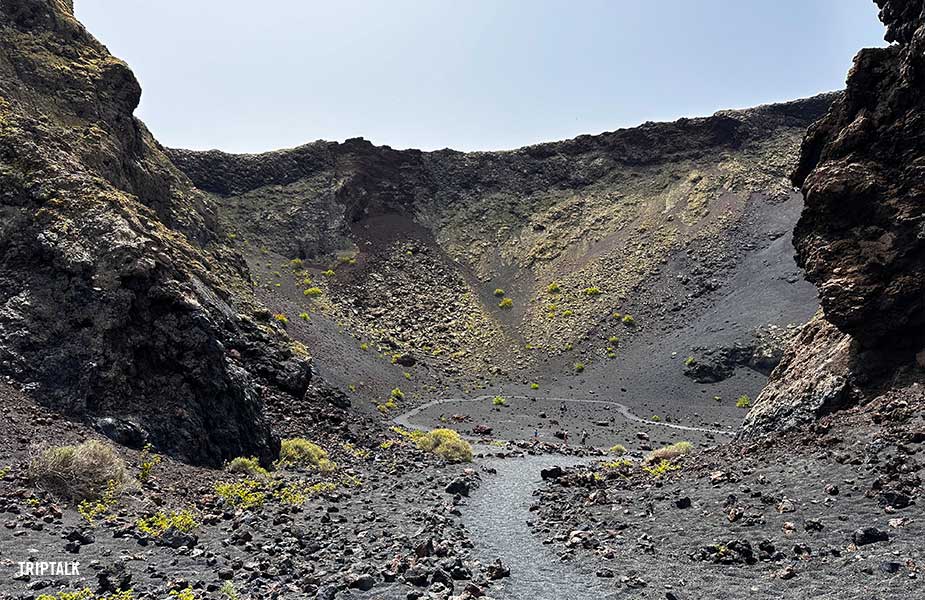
(829,512)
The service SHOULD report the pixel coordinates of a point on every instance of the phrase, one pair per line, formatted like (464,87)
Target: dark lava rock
(894,499)
(417,575)
(362,582)
(860,237)
(684,502)
(735,551)
(890,567)
(160,333)
(458,486)
(497,570)
(552,473)
(869,535)
(176,539)
(858,177)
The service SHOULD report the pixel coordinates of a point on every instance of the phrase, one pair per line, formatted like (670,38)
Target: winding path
(498,515)
(405,419)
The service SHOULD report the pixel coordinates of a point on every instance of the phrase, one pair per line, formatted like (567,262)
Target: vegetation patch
(241,494)
(506,303)
(83,472)
(446,444)
(660,469)
(157,524)
(498,401)
(299,452)
(246,465)
(669,452)
(743,401)
(148,462)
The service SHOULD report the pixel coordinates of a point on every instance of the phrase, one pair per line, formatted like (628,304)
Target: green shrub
(618,449)
(689,361)
(92,509)
(246,465)
(296,263)
(592,291)
(184,594)
(290,494)
(656,418)
(397,394)
(498,401)
(743,401)
(534,386)
(304,316)
(613,339)
(148,461)
(82,472)
(241,494)
(160,522)
(620,463)
(446,444)
(579,367)
(669,452)
(553,288)
(499,292)
(660,469)
(228,591)
(616,316)
(299,452)
(568,345)
(328,273)
(312,292)
(506,303)
(629,321)
(567,312)
(281,318)
(364,346)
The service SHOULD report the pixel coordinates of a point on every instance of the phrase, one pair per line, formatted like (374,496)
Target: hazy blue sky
(247,76)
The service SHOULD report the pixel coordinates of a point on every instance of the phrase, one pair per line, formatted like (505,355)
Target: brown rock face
(119,304)
(861,238)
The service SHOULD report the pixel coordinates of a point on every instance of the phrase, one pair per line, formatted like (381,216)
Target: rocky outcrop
(861,237)
(119,302)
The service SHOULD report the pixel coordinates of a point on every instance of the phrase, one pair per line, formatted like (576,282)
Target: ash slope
(657,221)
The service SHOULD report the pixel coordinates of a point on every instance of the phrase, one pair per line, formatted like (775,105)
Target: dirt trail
(404,420)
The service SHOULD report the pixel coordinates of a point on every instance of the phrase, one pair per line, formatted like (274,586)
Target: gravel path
(498,518)
(404,420)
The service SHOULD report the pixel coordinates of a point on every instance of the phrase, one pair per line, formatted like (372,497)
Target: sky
(245,76)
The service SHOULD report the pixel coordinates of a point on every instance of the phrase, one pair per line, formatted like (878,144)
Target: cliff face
(119,303)
(861,237)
